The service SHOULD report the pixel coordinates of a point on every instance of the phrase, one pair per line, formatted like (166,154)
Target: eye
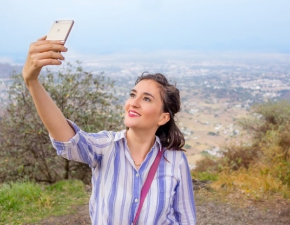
(147,99)
(132,95)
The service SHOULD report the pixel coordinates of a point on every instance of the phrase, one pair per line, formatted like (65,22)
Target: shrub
(26,151)
(264,161)
(207,164)
(239,156)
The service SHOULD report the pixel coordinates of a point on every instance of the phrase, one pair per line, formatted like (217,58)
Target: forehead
(149,86)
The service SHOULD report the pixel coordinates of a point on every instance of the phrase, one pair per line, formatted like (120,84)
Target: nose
(135,102)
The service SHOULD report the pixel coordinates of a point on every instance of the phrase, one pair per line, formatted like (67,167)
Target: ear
(164,118)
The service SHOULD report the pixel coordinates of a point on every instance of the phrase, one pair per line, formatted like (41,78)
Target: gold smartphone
(60,30)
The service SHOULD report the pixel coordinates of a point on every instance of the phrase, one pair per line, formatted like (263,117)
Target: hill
(6,69)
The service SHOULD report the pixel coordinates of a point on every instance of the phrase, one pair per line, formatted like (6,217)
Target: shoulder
(175,162)
(104,135)
(175,155)
(175,158)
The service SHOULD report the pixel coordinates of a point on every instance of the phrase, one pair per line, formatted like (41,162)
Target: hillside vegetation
(26,149)
(259,167)
(27,202)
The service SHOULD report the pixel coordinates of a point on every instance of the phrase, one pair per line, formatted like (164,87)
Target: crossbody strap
(147,183)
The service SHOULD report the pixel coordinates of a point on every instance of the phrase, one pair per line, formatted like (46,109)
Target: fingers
(44,46)
(47,55)
(45,62)
(51,55)
(43,42)
(43,53)
(47,51)
(38,60)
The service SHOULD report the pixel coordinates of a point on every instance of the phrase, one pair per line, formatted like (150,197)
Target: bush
(26,150)
(265,155)
(207,164)
(239,156)
(250,183)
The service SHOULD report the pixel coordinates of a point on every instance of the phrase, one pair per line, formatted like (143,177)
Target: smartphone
(60,30)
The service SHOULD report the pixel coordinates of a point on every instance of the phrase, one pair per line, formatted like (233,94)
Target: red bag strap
(147,183)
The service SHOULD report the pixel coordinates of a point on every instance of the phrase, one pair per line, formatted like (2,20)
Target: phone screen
(60,30)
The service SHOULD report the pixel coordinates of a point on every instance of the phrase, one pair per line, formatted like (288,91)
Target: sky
(104,27)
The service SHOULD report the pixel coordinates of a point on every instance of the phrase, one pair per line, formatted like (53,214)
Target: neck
(139,143)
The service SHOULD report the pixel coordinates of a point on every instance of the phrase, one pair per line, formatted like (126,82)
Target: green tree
(25,148)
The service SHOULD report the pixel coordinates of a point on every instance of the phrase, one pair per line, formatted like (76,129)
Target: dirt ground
(209,211)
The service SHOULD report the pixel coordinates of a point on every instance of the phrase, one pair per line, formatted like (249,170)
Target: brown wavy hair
(169,134)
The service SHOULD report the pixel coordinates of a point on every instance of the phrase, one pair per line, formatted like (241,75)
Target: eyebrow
(145,93)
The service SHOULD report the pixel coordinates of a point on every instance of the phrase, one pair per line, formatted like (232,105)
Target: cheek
(153,111)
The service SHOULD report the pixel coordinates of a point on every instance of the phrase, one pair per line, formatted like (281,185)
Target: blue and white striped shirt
(117,184)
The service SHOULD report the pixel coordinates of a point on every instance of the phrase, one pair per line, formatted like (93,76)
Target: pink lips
(133,113)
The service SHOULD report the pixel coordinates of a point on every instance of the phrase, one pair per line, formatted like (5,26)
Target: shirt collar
(122,135)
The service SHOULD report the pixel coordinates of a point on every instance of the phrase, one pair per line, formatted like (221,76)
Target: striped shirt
(117,184)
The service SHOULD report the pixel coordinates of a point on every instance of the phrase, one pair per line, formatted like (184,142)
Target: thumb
(42,38)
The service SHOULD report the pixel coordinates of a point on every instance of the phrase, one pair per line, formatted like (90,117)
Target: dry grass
(252,184)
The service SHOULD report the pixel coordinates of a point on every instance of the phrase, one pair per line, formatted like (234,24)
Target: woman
(120,161)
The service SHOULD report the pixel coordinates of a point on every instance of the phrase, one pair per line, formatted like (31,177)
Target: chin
(128,125)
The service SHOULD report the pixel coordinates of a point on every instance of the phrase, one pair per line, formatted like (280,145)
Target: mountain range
(6,69)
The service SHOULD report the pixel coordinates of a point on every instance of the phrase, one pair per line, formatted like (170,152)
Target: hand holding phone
(60,30)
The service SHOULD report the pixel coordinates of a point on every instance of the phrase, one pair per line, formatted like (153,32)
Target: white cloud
(7,60)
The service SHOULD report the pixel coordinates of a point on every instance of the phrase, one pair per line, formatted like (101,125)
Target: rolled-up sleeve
(184,205)
(84,147)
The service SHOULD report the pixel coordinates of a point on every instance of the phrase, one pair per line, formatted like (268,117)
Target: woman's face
(143,109)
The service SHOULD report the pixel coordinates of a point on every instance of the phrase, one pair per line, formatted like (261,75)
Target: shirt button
(136,200)
(137,174)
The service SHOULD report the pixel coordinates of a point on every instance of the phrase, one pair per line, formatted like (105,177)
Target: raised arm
(42,53)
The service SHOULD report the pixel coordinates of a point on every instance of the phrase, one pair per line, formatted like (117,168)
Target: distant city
(215,92)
